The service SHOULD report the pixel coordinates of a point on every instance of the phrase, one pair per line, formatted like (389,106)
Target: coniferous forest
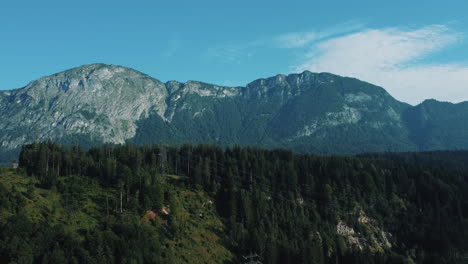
(207,204)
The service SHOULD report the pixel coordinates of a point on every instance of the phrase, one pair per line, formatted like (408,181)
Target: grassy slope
(199,240)
(200,228)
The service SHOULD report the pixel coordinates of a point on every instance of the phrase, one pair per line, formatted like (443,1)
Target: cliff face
(100,101)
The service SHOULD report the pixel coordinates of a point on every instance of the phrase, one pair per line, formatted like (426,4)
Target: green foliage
(170,204)
(77,220)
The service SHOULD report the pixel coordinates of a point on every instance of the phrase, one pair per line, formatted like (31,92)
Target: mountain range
(307,112)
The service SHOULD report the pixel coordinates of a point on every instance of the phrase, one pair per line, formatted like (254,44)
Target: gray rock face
(309,112)
(96,100)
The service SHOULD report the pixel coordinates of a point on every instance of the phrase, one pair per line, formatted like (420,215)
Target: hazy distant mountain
(308,112)
(438,125)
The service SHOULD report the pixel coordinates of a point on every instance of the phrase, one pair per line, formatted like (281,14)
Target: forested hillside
(205,204)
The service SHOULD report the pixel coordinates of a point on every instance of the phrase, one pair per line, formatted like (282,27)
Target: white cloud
(296,39)
(301,39)
(391,58)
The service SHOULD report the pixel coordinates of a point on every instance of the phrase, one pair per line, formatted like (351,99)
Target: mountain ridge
(307,112)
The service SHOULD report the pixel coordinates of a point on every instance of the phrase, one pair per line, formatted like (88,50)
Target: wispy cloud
(301,39)
(296,39)
(390,57)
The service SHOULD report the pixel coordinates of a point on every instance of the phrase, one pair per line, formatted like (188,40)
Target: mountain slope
(307,112)
(73,224)
(83,101)
(438,125)
(324,118)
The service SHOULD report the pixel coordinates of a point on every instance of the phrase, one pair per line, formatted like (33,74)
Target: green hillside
(204,204)
(77,220)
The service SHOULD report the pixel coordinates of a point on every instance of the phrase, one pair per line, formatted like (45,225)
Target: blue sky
(414,49)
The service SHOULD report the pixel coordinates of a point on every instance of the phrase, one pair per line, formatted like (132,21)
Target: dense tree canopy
(288,208)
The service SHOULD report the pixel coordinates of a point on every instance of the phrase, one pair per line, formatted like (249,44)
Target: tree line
(282,205)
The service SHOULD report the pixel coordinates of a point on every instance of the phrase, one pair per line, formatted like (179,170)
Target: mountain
(306,112)
(438,125)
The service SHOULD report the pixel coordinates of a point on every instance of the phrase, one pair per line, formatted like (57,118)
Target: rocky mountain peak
(173,86)
(95,99)
(91,78)
(288,85)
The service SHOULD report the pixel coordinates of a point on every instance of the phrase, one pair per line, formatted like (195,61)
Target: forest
(207,204)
